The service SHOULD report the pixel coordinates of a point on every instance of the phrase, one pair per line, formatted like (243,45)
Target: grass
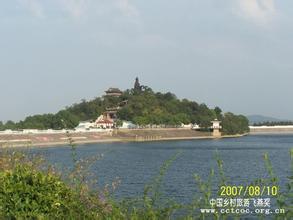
(31,190)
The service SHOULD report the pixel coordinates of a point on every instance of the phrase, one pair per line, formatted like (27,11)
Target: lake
(137,163)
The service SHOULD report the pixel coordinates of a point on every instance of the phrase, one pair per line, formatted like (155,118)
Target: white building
(85,125)
(186,125)
(216,124)
(195,126)
(216,128)
(30,131)
(128,125)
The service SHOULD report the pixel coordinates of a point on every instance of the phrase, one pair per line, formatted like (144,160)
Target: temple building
(104,122)
(111,113)
(115,92)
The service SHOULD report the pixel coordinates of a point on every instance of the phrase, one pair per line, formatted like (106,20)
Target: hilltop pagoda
(115,92)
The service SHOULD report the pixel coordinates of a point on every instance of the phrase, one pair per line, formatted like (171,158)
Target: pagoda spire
(137,86)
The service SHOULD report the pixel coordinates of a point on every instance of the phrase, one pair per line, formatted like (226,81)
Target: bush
(27,193)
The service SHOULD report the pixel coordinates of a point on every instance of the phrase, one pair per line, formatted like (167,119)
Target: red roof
(105,121)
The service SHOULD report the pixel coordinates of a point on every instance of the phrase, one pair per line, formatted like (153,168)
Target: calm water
(138,163)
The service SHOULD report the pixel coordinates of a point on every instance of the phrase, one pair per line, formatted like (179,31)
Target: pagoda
(115,92)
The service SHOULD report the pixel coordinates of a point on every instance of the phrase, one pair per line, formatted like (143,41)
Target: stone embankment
(120,135)
(17,140)
(271,129)
(160,134)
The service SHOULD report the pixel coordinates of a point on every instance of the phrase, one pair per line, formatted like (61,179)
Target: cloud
(259,11)
(127,8)
(82,8)
(76,8)
(34,6)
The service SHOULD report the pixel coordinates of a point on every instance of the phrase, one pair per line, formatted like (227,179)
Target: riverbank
(122,135)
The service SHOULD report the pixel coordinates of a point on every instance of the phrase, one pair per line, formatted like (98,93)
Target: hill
(256,119)
(140,105)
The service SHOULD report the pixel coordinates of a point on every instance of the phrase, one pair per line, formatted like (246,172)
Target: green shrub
(27,193)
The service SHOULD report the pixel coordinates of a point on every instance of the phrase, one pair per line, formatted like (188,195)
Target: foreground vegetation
(31,190)
(144,107)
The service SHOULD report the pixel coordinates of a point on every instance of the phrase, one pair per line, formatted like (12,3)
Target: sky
(236,54)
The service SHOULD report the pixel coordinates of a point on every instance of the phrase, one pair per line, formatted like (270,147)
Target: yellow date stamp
(250,190)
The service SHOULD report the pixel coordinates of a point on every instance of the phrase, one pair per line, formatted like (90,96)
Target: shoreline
(111,139)
(272,133)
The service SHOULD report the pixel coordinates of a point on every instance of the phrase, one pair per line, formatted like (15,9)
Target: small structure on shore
(195,127)
(216,128)
(127,125)
(85,125)
(190,125)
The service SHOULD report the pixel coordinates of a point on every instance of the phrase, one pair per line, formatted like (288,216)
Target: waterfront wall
(47,139)
(63,138)
(271,129)
(159,134)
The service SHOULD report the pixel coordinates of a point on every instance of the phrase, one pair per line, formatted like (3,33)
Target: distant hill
(260,119)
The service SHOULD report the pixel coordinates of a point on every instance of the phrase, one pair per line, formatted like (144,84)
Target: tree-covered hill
(142,106)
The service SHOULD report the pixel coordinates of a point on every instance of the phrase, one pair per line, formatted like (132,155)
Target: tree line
(273,123)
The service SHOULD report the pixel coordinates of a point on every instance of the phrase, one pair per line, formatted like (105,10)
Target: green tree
(67,119)
(10,125)
(183,118)
(218,113)
(234,124)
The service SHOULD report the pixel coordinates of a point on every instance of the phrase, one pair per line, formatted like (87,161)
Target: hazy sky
(236,54)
